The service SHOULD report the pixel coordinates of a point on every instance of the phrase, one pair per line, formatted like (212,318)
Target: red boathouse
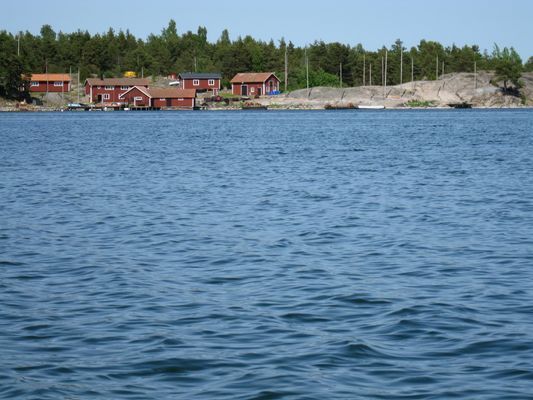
(109,90)
(57,83)
(254,84)
(140,96)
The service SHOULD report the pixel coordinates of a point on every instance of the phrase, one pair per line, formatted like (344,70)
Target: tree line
(319,64)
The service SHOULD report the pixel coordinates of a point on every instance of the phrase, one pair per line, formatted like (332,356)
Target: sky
(371,23)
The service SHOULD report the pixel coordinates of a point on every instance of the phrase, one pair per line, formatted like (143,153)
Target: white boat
(363,107)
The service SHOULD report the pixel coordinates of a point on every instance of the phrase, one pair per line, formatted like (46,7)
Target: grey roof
(200,75)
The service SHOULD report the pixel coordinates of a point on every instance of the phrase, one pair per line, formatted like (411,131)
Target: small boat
(367,107)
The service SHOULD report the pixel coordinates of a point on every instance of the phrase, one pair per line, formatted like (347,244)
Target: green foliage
(11,69)
(508,66)
(419,103)
(112,53)
(528,67)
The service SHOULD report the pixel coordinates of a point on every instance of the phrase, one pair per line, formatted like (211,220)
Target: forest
(112,53)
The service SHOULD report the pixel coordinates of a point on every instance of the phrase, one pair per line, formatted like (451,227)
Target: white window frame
(106,96)
(124,87)
(181,99)
(138,98)
(252,89)
(35,83)
(196,82)
(58,83)
(211,82)
(109,87)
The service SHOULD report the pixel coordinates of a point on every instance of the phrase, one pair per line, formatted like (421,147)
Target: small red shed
(139,96)
(254,84)
(56,83)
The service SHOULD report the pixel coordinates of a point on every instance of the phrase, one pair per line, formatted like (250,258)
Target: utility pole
(286,68)
(385,86)
(475,74)
(364,69)
(340,74)
(370,74)
(442,68)
(437,69)
(412,70)
(142,72)
(195,65)
(382,69)
(401,63)
(78,85)
(46,71)
(307,69)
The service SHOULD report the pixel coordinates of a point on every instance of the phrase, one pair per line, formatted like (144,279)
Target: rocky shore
(457,88)
(449,89)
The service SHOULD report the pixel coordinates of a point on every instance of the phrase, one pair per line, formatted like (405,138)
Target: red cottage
(109,90)
(57,83)
(200,81)
(254,84)
(140,96)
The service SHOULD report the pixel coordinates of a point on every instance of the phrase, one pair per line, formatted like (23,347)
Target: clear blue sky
(372,23)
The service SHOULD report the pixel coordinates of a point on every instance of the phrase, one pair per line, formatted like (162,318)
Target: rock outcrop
(449,89)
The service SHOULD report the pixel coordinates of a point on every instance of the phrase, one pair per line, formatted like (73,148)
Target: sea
(349,254)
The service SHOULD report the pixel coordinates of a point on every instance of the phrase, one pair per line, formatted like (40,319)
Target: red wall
(236,87)
(203,84)
(181,102)
(51,87)
(130,98)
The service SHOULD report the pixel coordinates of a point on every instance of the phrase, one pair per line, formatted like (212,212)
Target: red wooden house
(200,81)
(57,83)
(109,90)
(254,84)
(140,96)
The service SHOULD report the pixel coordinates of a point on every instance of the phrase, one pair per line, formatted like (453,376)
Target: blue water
(267,255)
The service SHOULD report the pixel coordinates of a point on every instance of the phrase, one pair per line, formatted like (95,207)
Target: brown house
(109,90)
(254,84)
(140,96)
(49,83)
(200,81)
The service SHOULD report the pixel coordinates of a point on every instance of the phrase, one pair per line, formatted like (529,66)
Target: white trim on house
(109,87)
(196,82)
(211,82)
(58,83)
(106,96)
(124,87)
(35,83)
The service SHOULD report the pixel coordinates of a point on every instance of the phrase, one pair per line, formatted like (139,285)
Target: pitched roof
(50,77)
(200,75)
(252,77)
(118,81)
(171,93)
(163,93)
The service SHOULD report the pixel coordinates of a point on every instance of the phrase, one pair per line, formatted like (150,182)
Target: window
(58,84)
(180,99)
(106,96)
(196,82)
(252,89)
(99,87)
(137,98)
(211,82)
(124,87)
(35,83)
(162,99)
(109,87)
